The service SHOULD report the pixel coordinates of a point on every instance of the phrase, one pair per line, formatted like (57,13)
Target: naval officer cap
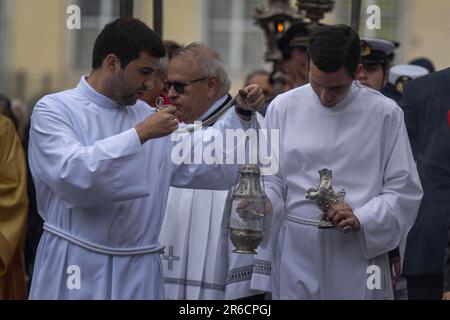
(402,73)
(376,51)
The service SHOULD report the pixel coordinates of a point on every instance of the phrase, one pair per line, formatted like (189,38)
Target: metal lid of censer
(248,187)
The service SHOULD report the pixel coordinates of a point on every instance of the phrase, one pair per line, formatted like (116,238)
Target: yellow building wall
(37,41)
(40,41)
(427,31)
(182,19)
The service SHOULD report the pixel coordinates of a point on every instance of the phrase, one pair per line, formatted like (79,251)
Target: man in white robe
(360,135)
(198,263)
(102,174)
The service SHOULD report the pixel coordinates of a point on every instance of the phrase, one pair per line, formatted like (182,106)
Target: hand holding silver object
(326,196)
(159,101)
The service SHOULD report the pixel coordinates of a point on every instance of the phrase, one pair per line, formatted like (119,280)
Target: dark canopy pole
(126,8)
(356,13)
(158,17)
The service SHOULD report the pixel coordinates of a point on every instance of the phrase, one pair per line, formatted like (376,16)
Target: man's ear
(161,80)
(112,63)
(213,85)
(386,77)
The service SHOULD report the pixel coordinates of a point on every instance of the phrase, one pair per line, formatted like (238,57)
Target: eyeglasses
(180,86)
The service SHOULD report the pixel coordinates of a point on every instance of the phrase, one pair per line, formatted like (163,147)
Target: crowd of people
(90,176)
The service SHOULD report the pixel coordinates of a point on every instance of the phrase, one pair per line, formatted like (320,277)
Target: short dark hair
(333,47)
(424,62)
(126,38)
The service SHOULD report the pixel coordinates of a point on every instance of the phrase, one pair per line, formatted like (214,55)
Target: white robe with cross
(198,261)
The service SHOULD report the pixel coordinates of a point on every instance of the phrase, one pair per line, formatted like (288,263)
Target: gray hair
(209,62)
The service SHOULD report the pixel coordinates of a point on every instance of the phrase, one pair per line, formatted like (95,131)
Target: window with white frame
(94,15)
(233,34)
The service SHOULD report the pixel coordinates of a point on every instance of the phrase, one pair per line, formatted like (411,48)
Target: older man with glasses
(198,261)
(196,85)
(179,86)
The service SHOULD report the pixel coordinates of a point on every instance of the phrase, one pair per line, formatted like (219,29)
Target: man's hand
(446,296)
(251,210)
(158,125)
(394,263)
(342,216)
(250,98)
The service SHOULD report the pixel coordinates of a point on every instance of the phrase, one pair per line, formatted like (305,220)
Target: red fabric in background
(166,99)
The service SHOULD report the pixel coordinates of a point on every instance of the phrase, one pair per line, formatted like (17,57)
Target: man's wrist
(140,134)
(143,137)
(244,114)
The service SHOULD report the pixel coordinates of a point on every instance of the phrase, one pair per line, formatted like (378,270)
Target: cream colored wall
(182,19)
(40,41)
(37,38)
(427,31)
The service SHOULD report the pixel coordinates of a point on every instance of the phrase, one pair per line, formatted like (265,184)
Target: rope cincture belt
(151,249)
(303,221)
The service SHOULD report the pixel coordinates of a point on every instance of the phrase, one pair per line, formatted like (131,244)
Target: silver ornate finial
(159,101)
(325,197)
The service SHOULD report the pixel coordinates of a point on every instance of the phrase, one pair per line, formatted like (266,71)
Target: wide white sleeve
(388,217)
(275,188)
(83,176)
(262,268)
(199,173)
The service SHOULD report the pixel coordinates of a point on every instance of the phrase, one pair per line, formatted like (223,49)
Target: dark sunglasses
(180,86)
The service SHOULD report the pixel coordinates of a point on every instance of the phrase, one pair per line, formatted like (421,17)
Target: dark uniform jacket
(426,103)
(447,263)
